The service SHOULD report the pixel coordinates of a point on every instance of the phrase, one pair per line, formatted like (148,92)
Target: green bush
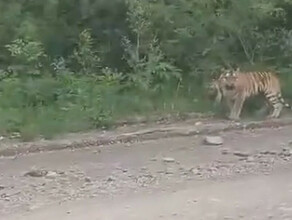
(69,66)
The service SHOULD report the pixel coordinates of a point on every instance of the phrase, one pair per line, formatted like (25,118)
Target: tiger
(221,88)
(237,86)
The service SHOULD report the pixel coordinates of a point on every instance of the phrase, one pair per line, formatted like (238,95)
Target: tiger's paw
(271,117)
(233,118)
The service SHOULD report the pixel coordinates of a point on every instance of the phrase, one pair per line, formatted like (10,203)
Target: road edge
(182,130)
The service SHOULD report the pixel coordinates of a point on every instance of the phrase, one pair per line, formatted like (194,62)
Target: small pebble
(269,152)
(110,179)
(241,154)
(87,179)
(250,159)
(224,151)
(168,160)
(198,123)
(51,174)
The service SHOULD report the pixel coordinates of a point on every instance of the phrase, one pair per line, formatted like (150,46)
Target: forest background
(75,65)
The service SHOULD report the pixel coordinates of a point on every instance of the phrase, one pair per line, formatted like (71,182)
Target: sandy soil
(248,177)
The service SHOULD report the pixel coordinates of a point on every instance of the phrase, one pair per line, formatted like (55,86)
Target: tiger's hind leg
(277,110)
(277,105)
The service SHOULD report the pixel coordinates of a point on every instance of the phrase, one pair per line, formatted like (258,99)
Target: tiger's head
(224,84)
(229,74)
(228,78)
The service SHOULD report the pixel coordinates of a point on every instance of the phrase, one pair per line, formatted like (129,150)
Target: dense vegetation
(71,65)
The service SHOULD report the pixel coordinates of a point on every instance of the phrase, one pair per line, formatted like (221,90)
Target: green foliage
(27,56)
(150,70)
(70,65)
(85,56)
(26,51)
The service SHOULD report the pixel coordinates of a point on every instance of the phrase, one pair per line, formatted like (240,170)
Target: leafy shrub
(68,66)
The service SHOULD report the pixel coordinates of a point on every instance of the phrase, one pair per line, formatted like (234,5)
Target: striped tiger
(237,86)
(223,88)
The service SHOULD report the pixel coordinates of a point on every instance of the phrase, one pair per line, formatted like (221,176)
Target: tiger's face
(225,84)
(228,79)
(229,73)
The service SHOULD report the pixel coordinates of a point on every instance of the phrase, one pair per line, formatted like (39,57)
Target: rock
(110,179)
(128,144)
(198,123)
(250,159)
(286,148)
(97,151)
(169,171)
(225,151)
(241,154)
(213,140)
(168,160)
(52,174)
(36,173)
(87,180)
(34,207)
(266,152)
(286,153)
(212,169)
(195,171)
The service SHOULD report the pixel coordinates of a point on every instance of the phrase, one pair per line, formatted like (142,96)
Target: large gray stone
(213,140)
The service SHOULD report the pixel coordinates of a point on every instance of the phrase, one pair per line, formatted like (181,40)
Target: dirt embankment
(135,132)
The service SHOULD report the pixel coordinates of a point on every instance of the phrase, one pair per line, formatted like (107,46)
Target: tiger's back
(252,83)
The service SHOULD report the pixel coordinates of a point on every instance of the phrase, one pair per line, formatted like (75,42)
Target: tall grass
(50,106)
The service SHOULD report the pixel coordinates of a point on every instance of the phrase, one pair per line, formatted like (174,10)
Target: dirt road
(248,177)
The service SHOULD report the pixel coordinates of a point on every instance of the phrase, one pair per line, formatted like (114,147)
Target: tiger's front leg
(236,109)
(230,104)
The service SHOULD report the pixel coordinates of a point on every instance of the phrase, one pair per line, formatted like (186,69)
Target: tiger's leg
(218,97)
(229,103)
(237,107)
(277,105)
(277,110)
